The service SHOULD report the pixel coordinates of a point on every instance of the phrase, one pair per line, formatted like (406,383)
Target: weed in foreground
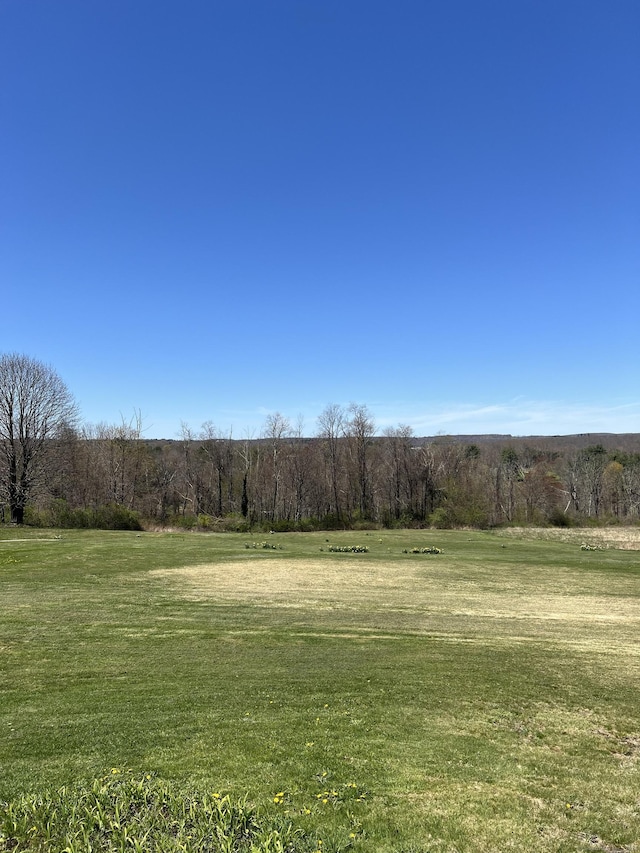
(122,812)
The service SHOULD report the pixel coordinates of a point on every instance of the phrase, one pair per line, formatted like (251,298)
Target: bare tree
(190,485)
(35,406)
(119,455)
(511,471)
(397,462)
(217,454)
(331,423)
(276,429)
(359,430)
(592,461)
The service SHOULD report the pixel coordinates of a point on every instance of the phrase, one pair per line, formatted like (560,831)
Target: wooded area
(58,473)
(343,477)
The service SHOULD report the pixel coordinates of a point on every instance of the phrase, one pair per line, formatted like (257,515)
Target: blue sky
(213,210)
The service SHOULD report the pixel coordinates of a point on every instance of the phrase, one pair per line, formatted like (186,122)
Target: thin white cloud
(515,417)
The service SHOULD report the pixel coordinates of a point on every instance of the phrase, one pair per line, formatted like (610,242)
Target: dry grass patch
(286,581)
(622,538)
(417,599)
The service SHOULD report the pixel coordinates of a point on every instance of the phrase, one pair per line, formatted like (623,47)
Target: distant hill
(629,441)
(609,440)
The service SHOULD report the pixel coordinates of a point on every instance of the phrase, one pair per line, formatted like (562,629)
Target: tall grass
(121,813)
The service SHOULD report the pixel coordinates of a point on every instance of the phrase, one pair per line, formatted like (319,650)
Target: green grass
(482,699)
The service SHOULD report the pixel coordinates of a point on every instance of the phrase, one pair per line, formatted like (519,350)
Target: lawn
(482,699)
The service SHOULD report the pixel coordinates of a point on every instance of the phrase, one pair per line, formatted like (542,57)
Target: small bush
(234,522)
(115,517)
(348,549)
(331,522)
(283,525)
(430,550)
(59,514)
(290,525)
(363,524)
(441,519)
(558,518)
(183,522)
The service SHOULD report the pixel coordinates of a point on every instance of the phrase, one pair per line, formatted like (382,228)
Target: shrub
(232,523)
(558,518)
(348,549)
(60,514)
(331,522)
(183,522)
(441,518)
(363,524)
(281,525)
(429,550)
(116,517)
(290,525)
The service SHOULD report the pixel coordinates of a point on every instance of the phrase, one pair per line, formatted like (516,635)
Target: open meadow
(481,700)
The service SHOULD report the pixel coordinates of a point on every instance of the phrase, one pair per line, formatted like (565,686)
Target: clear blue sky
(212,210)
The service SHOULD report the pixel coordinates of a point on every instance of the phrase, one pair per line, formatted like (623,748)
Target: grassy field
(483,699)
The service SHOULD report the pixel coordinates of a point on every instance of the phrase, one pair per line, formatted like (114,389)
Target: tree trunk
(17,514)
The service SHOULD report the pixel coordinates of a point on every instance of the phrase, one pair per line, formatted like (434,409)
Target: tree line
(56,471)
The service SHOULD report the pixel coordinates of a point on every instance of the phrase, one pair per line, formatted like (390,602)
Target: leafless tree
(276,428)
(35,406)
(119,453)
(398,469)
(331,424)
(359,430)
